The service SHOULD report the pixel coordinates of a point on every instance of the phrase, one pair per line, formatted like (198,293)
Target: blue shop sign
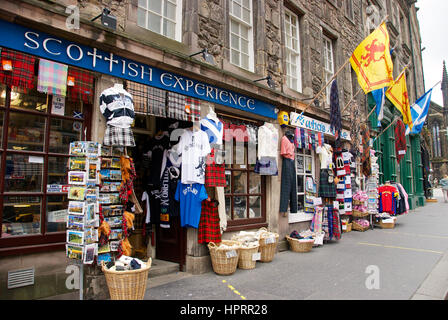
(43,45)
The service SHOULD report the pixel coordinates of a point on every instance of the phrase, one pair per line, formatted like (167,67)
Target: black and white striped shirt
(117,106)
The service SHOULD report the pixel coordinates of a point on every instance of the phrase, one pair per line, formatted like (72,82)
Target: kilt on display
(115,136)
(215,175)
(209,230)
(326,189)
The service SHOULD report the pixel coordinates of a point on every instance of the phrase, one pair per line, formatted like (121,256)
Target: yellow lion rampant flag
(372,62)
(398,95)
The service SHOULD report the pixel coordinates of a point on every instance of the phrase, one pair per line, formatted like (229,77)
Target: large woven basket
(246,259)
(359,214)
(300,246)
(358,227)
(127,285)
(268,246)
(224,261)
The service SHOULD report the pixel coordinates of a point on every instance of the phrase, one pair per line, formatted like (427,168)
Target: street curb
(435,286)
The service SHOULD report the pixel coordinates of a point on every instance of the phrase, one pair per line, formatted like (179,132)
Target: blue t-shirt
(190,197)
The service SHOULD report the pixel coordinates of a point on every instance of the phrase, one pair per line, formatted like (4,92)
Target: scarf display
(22,73)
(335,112)
(365,157)
(52,77)
(400,140)
(83,85)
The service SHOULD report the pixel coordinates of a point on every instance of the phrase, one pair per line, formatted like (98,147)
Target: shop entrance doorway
(169,243)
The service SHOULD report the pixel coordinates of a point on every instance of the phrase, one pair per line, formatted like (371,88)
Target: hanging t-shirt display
(190,197)
(194,146)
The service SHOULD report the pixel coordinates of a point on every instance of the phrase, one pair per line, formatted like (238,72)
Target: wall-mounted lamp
(271,82)
(205,55)
(107,20)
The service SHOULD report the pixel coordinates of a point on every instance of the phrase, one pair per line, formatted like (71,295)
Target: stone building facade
(300,44)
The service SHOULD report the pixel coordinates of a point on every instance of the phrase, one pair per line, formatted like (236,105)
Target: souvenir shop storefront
(42,114)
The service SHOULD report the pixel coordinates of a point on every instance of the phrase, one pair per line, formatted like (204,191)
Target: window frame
(177,22)
(230,169)
(44,240)
(290,51)
(301,215)
(240,22)
(327,72)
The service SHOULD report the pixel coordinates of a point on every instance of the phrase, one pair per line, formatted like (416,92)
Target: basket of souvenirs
(360,225)
(127,280)
(299,242)
(268,245)
(224,256)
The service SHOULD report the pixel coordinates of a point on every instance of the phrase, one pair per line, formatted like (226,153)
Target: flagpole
(386,128)
(353,98)
(334,76)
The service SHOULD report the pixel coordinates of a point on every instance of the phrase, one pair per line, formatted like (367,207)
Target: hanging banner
(301,121)
(47,46)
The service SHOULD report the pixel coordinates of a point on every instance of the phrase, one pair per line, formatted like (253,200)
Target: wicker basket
(245,261)
(359,214)
(358,227)
(268,250)
(127,285)
(300,246)
(224,261)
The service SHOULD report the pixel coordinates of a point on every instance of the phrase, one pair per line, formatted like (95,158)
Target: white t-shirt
(194,146)
(325,156)
(267,141)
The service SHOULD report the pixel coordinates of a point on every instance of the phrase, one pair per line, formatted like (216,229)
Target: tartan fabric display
(156,102)
(22,73)
(176,106)
(83,87)
(209,230)
(52,77)
(326,189)
(195,109)
(214,171)
(400,140)
(147,100)
(366,167)
(336,229)
(122,137)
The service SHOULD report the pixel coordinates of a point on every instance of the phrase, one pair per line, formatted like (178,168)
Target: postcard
(77,148)
(114,245)
(115,175)
(110,186)
(106,151)
(93,169)
(115,163)
(90,235)
(106,257)
(92,194)
(115,234)
(104,249)
(106,163)
(90,252)
(115,221)
(76,207)
(114,198)
(77,163)
(76,193)
(117,151)
(89,212)
(75,222)
(75,237)
(74,251)
(93,149)
(77,177)
(112,210)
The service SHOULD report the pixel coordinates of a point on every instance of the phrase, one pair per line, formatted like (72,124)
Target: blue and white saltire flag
(419,111)
(380,98)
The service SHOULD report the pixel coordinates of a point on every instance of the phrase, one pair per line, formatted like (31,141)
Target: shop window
(33,158)
(245,192)
(304,169)
(241,34)
(292,44)
(328,64)
(161,16)
(349,9)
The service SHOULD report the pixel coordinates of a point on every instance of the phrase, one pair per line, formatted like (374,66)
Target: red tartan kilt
(209,230)
(215,175)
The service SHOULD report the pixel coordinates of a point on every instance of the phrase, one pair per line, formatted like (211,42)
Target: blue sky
(433,20)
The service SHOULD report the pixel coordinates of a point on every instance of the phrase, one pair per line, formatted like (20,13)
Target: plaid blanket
(83,88)
(22,73)
(52,77)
